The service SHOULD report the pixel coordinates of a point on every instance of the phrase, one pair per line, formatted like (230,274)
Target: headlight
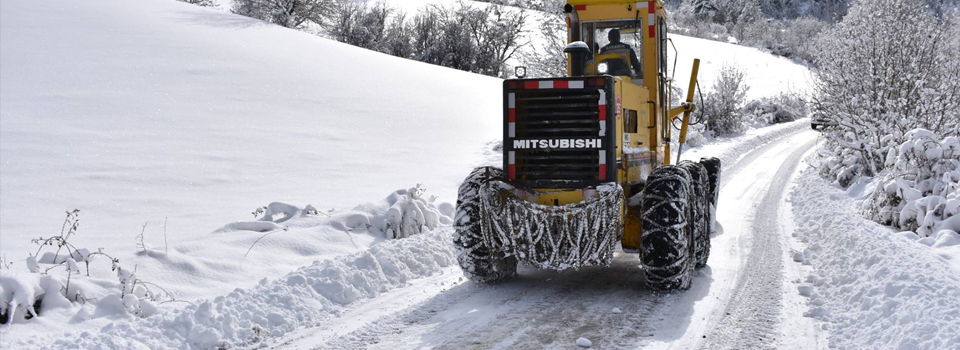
(602,68)
(521,71)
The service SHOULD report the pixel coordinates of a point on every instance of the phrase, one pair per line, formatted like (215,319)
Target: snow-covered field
(189,119)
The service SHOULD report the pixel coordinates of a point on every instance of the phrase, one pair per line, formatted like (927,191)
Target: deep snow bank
(244,317)
(874,288)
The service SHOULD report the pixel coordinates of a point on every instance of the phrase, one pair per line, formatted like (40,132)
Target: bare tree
(288,13)
(360,24)
(547,59)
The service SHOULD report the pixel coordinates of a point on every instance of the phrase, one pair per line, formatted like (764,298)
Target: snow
(766,75)
(305,297)
(187,118)
(165,110)
(584,342)
(871,286)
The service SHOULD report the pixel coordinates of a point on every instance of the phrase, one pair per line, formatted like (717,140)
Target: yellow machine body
(640,102)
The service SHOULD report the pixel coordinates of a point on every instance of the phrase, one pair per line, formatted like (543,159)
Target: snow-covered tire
(477,262)
(666,243)
(712,165)
(699,206)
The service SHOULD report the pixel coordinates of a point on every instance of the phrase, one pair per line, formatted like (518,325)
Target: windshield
(597,36)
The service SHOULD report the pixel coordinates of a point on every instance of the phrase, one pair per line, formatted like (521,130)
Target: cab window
(597,36)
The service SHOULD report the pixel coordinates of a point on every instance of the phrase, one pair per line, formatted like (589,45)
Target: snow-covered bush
(921,190)
(800,38)
(773,110)
(722,105)
(782,29)
(408,214)
(882,73)
(24,296)
(689,20)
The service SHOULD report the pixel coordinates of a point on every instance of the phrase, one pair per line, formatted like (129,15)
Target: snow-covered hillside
(135,112)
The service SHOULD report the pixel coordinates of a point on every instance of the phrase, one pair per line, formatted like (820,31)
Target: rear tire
(666,243)
(475,258)
(712,165)
(700,210)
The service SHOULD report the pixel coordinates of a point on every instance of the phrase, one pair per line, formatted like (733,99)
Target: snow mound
(18,292)
(874,288)
(245,317)
(404,213)
(584,342)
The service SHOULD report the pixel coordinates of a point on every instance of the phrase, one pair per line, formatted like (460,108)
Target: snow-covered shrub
(722,105)
(882,73)
(688,20)
(23,296)
(921,190)
(774,110)
(408,214)
(800,37)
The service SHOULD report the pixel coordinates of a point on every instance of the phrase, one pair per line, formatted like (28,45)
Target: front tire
(666,242)
(477,261)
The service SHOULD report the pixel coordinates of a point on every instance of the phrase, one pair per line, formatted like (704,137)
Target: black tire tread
(700,210)
(665,249)
(477,262)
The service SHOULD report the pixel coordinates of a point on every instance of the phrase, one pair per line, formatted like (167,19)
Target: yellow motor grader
(586,161)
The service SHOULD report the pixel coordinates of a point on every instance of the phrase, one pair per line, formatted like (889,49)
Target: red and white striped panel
(603,132)
(553,84)
(603,113)
(512,115)
(651,18)
(603,165)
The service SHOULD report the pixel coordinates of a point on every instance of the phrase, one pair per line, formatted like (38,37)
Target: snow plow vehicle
(587,164)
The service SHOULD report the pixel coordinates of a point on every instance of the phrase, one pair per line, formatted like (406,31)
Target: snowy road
(735,302)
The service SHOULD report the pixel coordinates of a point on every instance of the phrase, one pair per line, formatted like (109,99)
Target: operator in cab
(615,46)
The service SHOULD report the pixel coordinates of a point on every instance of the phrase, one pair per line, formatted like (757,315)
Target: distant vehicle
(821,120)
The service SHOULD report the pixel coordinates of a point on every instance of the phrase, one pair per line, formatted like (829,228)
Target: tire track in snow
(752,314)
(534,310)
